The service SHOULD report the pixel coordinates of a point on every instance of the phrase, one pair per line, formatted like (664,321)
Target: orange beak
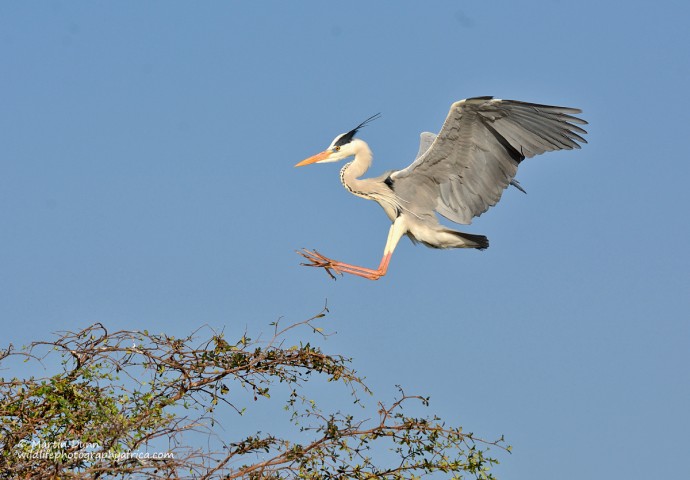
(319,156)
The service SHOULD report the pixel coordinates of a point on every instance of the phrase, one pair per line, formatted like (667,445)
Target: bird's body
(402,202)
(459,173)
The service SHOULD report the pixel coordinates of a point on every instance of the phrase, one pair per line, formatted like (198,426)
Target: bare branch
(119,394)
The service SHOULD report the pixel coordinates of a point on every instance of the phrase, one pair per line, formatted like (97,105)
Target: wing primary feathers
(512,151)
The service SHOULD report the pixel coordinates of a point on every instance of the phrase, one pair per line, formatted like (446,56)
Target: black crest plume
(347,138)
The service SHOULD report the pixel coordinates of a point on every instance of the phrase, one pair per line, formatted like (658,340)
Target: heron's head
(342,146)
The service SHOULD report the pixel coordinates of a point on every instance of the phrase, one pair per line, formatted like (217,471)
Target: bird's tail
(443,237)
(469,240)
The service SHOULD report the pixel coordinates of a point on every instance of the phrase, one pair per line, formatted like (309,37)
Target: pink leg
(317,260)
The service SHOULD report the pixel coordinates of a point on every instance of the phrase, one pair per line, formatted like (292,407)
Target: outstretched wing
(427,138)
(476,154)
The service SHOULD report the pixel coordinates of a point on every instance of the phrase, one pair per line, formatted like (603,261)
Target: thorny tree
(118,395)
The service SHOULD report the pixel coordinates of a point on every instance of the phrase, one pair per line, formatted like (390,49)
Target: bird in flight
(459,173)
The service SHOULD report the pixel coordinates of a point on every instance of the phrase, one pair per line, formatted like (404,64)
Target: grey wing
(476,154)
(425,141)
(427,138)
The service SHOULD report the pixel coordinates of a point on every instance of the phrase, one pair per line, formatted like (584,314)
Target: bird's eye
(336,148)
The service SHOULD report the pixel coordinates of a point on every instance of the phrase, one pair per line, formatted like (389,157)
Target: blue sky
(147,181)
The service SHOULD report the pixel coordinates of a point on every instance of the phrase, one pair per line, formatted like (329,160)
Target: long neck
(351,172)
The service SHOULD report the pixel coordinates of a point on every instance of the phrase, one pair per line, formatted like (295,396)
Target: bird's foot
(315,259)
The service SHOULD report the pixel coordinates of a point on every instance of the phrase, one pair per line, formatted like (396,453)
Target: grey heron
(459,173)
